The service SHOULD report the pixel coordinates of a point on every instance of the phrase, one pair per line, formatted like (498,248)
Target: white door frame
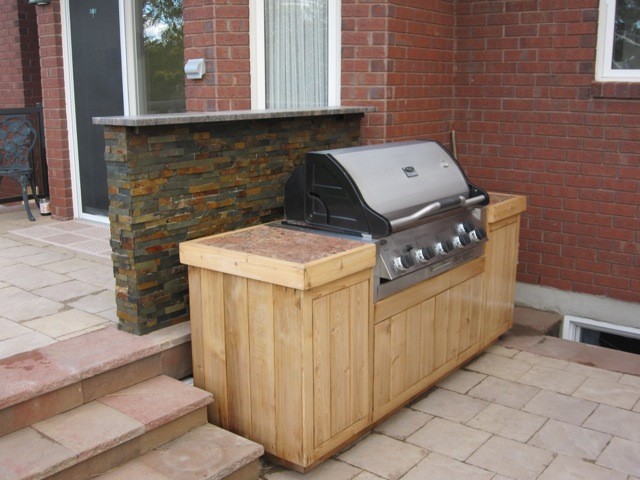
(130,105)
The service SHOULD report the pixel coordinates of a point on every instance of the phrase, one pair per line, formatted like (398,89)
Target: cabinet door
(341,374)
(500,274)
(412,345)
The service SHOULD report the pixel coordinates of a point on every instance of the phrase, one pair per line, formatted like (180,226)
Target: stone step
(206,453)
(104,433)
(39,384)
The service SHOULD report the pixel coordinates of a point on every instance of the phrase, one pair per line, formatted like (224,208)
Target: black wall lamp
(39,2)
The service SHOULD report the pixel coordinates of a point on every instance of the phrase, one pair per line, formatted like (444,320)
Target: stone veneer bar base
(174,178)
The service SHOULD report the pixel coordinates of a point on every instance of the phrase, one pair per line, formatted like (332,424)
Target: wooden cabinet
(287,357)
(298,357)
(422,333)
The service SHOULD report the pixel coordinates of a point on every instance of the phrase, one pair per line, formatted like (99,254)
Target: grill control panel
(430,249)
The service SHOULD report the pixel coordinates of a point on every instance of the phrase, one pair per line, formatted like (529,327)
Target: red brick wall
(398,56)
(527,121)
(19,65)
(219,33)
(55,119)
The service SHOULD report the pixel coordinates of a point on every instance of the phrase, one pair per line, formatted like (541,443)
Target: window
(618,55)
(155,56)
(604,334)
(295,53)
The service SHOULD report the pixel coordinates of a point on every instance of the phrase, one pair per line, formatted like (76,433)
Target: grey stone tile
(366,476)
(560,407)
(20,251)
(24,343)
(440,467)
(329,470)
(621,455)
(512,459)
(403,423)
(384,456)
(8,243)
(100,275)
(608,392)
(449,438)
(616,421)
(632,380)
(450,405)
(499,366)
(564,467)
(68,265)
(34,307)
(48,255)
(540,360)
(64,323)
(571,440)
(9,329)
(592,372)
(5,262)
(38,280)
(461,381)
(67,291)
(110,315)
(552,379)
(507,422)
(504,392)
(95,303)
(504,351)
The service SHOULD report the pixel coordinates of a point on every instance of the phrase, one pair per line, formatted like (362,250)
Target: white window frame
(257,52)
(604,51)
(572,328)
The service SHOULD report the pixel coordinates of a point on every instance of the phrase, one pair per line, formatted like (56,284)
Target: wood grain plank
(340,361)
(262,363)
(427,337)
(398,353)
(288,359)
(236,316)
(381,363)
(321,370)
(413,352)
(360,349)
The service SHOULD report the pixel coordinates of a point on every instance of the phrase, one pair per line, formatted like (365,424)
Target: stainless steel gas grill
(412,199)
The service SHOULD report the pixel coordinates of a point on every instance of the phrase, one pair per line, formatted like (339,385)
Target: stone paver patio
(531,407)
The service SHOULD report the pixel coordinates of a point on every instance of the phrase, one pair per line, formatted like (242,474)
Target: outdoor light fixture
(39,2)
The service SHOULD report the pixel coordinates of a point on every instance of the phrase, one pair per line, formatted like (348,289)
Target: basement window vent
(603,334)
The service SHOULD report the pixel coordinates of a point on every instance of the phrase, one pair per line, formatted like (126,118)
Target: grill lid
(378,189)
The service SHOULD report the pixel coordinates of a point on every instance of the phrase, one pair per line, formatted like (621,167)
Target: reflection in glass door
(160,56)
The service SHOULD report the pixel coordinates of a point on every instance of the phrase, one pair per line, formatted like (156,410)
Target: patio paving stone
(592,372)
(535,359)
(99,275)
(608,392)
(564,467)
(329,470)
(67,291)
(64,323)
(403,423)
(24,343)
(461,381)
(504,392)
(384,456)
(615,421)
(9,329)
(499,366)
(450,405)
(560,437)
(449,438)
(507,422)
(47,256)
(552,379)
(19,251)
(560,407)
(29,307)
(68,265)
(439,467)
(632,380)
(512,459)
(97,302)
(621,455)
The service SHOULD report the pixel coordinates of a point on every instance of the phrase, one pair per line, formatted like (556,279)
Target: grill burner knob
(403,262)
(464,227)
(462,241)
(478,234)
(443,248)
(425,254)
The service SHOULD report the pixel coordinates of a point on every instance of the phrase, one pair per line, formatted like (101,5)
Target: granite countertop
(224,116)
(283,244)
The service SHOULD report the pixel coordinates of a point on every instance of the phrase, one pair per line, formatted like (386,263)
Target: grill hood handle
(435,206)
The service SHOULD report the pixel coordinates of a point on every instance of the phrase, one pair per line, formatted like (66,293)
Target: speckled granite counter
(282,256)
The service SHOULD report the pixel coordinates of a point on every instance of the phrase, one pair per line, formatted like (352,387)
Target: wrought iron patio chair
(17,139)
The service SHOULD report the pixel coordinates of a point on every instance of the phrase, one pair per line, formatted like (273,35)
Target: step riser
(114,457)
(174,362)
